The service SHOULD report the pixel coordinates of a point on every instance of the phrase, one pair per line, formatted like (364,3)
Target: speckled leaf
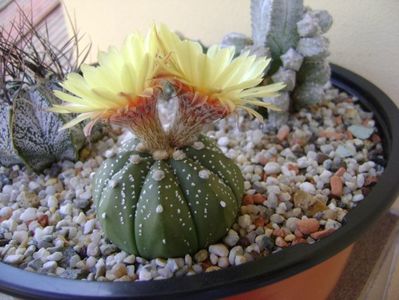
(8,156)
(209,199)
(36,134)
(117,203)
(163,225)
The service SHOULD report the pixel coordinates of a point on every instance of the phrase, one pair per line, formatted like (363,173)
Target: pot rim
(251,275)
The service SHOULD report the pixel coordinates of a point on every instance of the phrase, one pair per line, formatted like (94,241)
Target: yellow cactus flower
(121,83)
(219,79)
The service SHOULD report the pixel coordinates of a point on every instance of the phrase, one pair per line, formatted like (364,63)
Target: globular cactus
(171,206)
(170,191)
(293,35)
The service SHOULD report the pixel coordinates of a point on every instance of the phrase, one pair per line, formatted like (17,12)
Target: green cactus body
(171,207)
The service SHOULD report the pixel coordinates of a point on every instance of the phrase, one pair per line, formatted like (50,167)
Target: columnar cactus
(293,34)
(170,191)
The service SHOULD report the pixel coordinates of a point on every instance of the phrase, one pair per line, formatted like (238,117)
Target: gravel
(300,182)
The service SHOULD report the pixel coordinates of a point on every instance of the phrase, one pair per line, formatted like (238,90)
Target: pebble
(307,226)
(14,259)
(336,186)
(219,249)
(361,132)
(48,222)
(231,238)
(307,187)
(201,255)
(272,168)
(28,215)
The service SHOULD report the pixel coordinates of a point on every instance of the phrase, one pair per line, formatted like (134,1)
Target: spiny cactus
(168,208)
(171,191)
(292,34)
(29,133)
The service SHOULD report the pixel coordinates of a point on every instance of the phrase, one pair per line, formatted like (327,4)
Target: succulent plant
(170,191)
(168,207)
(31,68)
(293,35)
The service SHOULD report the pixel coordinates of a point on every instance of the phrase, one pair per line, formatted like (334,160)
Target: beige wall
(364,37)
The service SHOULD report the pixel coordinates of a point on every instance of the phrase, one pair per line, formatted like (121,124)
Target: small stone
(360,131)
(291,223)
(119,270)
(130,259)
(283,132)
(231,238)
(259,198)
(336,186)
(28,215)
(212,269)
(20,236)
(280,242)
(345,151)
(56,256)
(276,218)
(307,187)
(219,249)
(357,197)
(201,255)
(50,266)
(92,249)
(14,259)
(272,168)
(239,260)
(89,226)
(223,141)
(144,274)
(308,226)
(321,234)
(244,221)
(248,199)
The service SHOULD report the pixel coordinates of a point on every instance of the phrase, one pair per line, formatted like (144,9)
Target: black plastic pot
(264,271)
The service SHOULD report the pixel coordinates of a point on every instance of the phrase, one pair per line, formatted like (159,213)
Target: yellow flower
(121,82)
(216,75)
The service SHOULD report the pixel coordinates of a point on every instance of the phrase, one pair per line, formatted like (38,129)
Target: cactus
(293,36)
(167,208)
(29,133)
(170,191)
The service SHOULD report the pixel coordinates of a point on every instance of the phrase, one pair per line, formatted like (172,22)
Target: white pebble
(239,260)
(231,238)
(244,221)
(272,168)
(20,236)
(28,215)
(307,187)
(223,141)
(219,250)
(14,259)
(52,201)
(89,226)
(357,197)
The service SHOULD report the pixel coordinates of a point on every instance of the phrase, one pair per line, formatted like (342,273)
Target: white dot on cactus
(159,209)
(103,215)
(112,183)
(198,145)
(135,159)
(164,241)
(204,174)
(160,155)
(179,155)
(222,204)
(158,175)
